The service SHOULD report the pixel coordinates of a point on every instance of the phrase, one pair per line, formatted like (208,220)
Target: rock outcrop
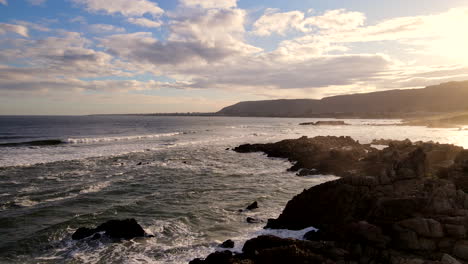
(252,206)
(404,204)
(114,229)
(324,123)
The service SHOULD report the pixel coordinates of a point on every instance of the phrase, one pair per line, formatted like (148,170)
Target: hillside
(437,99)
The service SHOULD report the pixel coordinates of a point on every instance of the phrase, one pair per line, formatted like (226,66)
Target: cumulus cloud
(202,37)
(124,7)
(337,20)
(142,47)
(210,3)
(18,29)
(105,28)
(273,21)
(206,48)
(144,22)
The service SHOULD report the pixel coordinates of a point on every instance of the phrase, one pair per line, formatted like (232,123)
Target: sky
(77,57)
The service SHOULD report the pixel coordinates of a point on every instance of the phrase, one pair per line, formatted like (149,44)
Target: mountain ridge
(398,103)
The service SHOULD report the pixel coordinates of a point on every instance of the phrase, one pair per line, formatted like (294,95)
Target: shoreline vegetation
(403,204)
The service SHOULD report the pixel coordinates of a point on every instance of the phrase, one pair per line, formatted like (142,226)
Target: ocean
(177,176)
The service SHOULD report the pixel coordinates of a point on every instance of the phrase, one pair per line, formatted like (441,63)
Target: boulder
(447,259)
(406,203)
(460,250)
(115,229)
(83,232)
(252,206)
(423,227)
(456,231)
(227,244)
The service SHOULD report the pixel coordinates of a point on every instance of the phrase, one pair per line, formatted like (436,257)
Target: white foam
(25,202)
(96,187)
(283,233)
(110,139)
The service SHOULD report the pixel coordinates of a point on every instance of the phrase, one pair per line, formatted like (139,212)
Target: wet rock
(447,259)
(306,172)
(460,249)
(252,206)
(215,258)
(456,231)
(406,203)
(83,232)
(423,227)
(324,123)
(227,244)
(314,235)
(115,229)
(252,220)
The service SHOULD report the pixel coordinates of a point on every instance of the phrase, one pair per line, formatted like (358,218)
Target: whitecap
(110,139)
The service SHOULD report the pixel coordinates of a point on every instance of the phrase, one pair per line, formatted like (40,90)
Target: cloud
(279,23)
(202,37)
(336,20)
(144,22)
(210,3)
(143,48)
(78,19)
(66,55)
(276,74)
(205,46)
(273,21)
(39,26)
(37,2)
(127,8)
(18,29)
(3,2)
(105,28)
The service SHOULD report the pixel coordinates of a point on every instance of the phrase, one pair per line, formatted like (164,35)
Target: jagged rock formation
(114,229)
(403,204)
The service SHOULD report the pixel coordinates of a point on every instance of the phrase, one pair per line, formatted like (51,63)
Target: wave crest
(110,139)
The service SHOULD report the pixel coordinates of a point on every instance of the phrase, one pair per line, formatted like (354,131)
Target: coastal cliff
(406,203)
(430,101)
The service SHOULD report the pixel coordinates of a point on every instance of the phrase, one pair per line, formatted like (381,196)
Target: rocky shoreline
(404,204)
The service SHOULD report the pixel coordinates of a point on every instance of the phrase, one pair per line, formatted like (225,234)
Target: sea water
(177,176)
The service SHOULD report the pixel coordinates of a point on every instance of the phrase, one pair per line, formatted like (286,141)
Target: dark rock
(227,244)
(228,149)
(197,261)
(252,220)
(314,235)
(116,229)
(324,123)
(406,203)
(83,232)
(139,163)
(306,172)
(219,257)
(252,206)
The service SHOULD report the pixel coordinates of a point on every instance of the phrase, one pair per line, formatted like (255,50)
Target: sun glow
(449,36)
